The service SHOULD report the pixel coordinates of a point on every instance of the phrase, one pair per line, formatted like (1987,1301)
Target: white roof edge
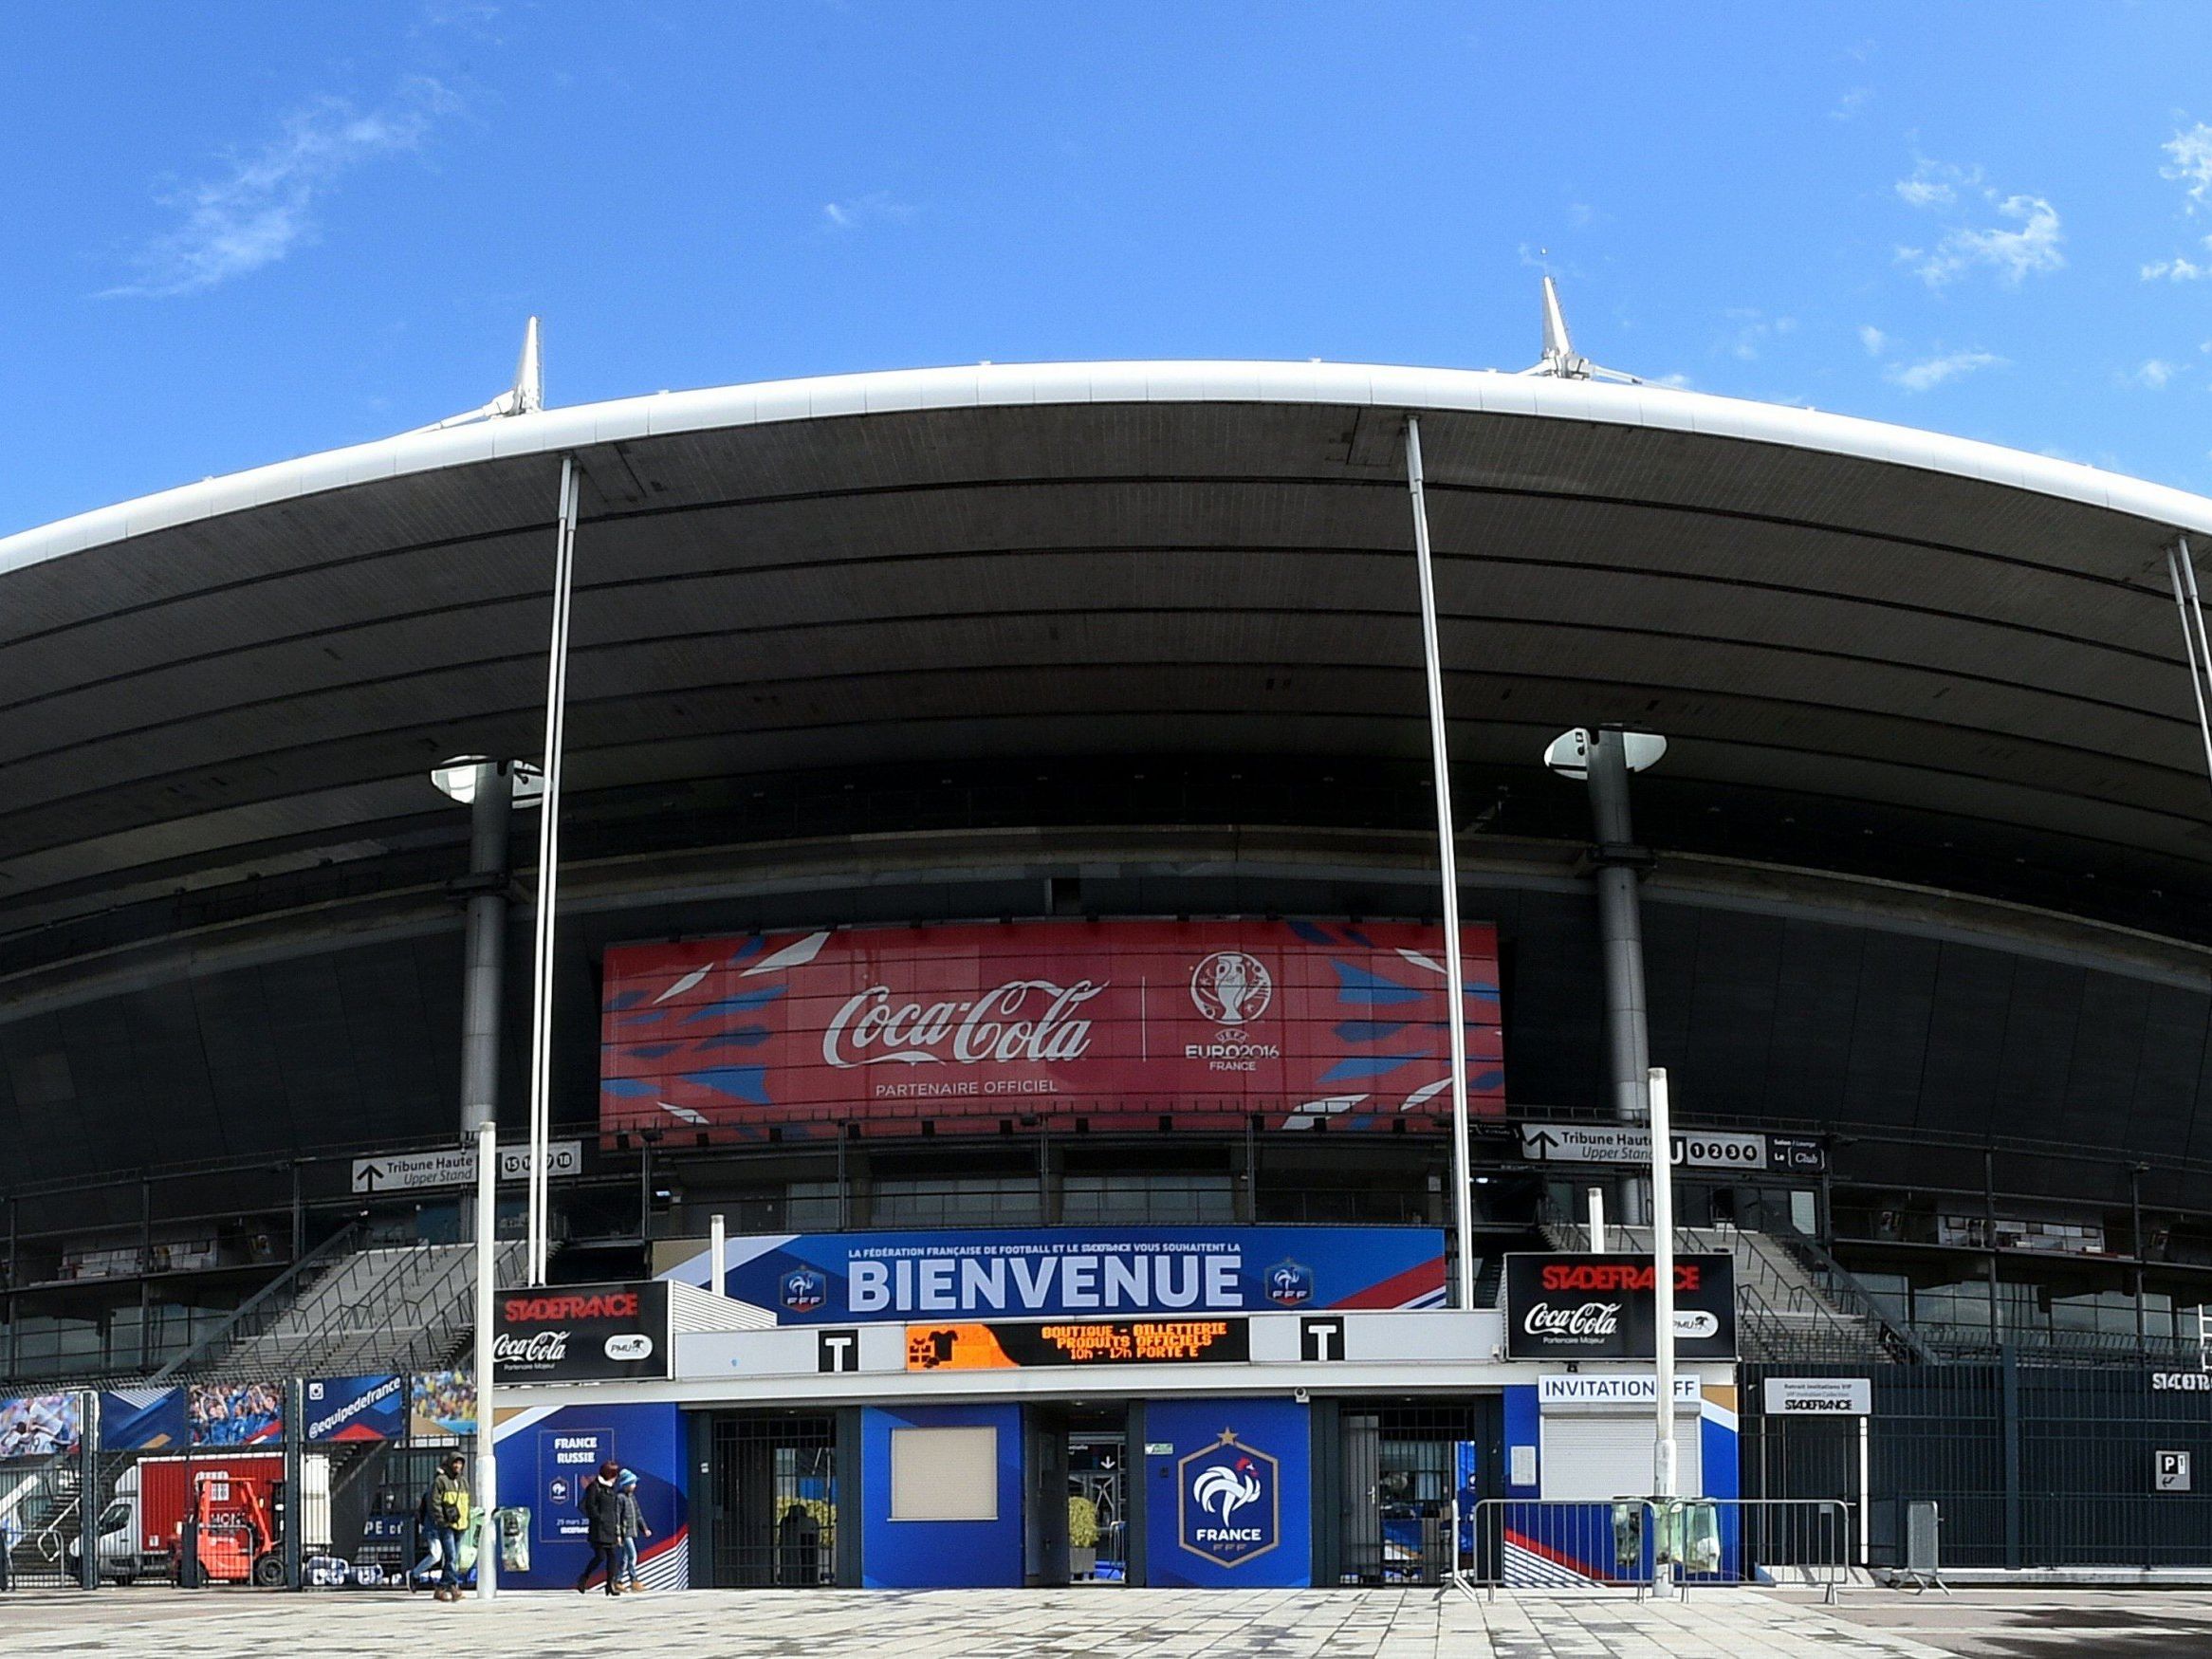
(1481,391)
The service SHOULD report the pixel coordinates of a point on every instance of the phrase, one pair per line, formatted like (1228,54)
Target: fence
(2034,1465)
(1631,1542)
(229,1483)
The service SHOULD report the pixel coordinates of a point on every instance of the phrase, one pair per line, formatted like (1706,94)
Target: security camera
(1301,1396)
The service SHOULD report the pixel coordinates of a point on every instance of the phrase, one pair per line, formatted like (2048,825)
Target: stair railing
(258,1311)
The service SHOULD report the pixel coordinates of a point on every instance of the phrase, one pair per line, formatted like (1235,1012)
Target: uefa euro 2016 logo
(1231,988)
(1290,1283)
(1229,1501)
(803,1290)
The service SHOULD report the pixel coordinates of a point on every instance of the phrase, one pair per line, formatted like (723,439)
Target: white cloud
(2176,269)
(1872,339)
(1849,106)
(1754,330)
(1930,373)
(2155,373)
(864,209)
(2013,254)
(263,205)
(2192,163)
(1936,184)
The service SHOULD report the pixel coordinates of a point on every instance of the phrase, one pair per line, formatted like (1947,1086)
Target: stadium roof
(1083,559)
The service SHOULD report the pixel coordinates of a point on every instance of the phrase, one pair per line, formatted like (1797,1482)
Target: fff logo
(1290,1283)
(804,1290)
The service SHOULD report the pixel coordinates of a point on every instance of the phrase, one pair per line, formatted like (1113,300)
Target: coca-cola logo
(1023,1020)
(538,1348)
(1590,1321)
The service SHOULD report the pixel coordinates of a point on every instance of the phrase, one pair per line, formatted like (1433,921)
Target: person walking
(603,1521)
(448,1505)
(631,1517)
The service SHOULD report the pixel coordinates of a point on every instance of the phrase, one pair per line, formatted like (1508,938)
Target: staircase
(40,1520)
(364,1311)
(1788,1309)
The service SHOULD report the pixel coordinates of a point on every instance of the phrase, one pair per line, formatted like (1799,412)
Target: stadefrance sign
(1118,1024)
(582,1333)
(999,1273)
(1603,1307)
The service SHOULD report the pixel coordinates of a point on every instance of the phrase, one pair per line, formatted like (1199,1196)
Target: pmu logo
(1290,1283)
(804,1290)
(1229,1501)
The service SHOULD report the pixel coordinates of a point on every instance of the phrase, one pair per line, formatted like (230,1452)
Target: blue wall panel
(939,1554)
(544,1461)
(1234,1512)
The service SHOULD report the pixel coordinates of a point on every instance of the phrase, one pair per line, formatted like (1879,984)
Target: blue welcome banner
(1076,1272)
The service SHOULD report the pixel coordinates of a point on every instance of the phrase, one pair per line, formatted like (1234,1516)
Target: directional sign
(2171,1473)
(1694,1149)
(1819,1396)
(411,1171)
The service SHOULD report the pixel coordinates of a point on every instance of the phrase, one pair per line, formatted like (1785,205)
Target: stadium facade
(999,879)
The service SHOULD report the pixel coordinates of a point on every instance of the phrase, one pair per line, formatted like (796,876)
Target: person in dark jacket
(603,1515)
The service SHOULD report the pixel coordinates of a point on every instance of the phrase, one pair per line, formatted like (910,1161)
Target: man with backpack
(446,1508)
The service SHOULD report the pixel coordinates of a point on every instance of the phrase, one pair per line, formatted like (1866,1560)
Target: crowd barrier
(1633,1543)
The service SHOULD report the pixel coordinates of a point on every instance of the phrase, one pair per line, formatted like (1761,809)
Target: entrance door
(775,1496)
(1402,1469)
(1044,1494)
(1098,1506)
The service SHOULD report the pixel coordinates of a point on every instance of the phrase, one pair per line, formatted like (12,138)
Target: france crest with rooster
(1230,1502)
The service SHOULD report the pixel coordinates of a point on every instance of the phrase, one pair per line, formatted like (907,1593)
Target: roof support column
(1620,939)
(490,810)
(2181,569)
(548,873)
(1447,858)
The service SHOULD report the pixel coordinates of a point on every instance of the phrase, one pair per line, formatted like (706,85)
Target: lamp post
(490,790)
(1663,1480)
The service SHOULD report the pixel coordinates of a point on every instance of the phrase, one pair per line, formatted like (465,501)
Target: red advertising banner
(1119,1024)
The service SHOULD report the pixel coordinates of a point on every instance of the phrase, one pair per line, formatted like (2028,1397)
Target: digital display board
(1135,1024)
(1009,1347)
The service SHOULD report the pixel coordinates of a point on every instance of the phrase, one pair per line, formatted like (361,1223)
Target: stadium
(997,828)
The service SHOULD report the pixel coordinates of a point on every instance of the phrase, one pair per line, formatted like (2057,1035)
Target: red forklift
(237,1536)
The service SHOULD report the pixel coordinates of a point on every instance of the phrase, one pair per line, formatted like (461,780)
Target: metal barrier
(1635,1542)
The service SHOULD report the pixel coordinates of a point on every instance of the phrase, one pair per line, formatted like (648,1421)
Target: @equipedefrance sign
(1229,1501)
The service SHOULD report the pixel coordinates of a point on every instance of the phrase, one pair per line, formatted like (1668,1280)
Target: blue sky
(233,234)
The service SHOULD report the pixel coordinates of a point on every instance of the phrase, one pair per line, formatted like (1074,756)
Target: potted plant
(1082,1538)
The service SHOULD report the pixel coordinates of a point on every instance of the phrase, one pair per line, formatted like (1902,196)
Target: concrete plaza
(1079,1624)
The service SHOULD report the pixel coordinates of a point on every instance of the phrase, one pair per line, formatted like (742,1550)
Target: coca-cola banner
(1603,1307)
(1119,1024)
(581,1332)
